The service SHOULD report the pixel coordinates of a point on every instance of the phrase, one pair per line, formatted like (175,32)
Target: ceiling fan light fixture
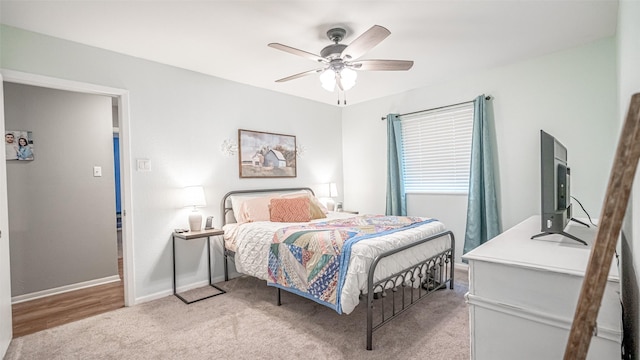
(328,79)
(340,60)
(348,78)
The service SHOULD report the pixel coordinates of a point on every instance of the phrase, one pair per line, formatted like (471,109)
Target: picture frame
(266,155)
(18,145)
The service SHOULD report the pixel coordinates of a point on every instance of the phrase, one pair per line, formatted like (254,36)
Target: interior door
(5,276)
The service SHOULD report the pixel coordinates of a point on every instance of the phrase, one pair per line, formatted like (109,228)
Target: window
(436,146)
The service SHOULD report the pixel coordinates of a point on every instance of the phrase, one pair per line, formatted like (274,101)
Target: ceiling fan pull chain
(344,97)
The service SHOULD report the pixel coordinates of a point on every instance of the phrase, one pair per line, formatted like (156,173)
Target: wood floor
(40,314)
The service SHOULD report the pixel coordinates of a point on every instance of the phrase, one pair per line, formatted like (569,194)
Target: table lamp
(194,196)
(333,193)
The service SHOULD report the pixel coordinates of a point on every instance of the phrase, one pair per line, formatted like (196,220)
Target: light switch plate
(97,171)
(143,164)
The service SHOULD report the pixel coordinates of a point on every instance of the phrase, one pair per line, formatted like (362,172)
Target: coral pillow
(290,210)
(318,211)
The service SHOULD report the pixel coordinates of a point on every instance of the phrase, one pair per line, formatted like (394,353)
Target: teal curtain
(483,221)
(396,201)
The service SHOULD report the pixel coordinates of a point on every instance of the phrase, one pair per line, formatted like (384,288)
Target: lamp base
(195,221)
(330,204)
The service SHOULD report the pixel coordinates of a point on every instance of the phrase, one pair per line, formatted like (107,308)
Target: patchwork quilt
(312,260)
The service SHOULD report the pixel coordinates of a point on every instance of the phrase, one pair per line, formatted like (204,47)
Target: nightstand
(191,235)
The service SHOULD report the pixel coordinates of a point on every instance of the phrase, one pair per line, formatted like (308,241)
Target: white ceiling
(228,39)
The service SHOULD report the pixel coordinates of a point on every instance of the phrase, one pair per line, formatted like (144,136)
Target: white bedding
(251,243)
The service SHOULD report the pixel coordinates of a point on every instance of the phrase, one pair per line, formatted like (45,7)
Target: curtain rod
(488,97)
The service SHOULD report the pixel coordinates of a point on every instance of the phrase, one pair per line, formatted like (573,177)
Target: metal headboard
(227,210)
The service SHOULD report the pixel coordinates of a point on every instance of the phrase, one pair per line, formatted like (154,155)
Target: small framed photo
(266,155)
(18,145)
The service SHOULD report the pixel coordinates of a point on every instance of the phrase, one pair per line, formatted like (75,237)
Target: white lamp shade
(348,77)
(333,190)
(194,196)
(328,79)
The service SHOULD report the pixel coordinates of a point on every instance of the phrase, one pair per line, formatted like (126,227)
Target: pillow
(290,210)
(237,200)
(318,210)
(257,212)
(254,209)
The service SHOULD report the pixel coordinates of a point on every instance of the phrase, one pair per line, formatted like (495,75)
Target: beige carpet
(245,323)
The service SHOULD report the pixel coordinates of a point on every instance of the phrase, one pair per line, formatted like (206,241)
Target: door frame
(122,95)
(6,329)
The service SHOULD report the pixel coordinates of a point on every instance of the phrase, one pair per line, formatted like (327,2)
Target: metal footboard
(400,291)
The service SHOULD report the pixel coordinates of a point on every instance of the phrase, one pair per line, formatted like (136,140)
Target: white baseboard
(154,296)
(180,289)
(64,289)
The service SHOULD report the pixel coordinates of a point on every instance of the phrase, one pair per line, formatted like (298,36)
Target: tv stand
(580,222)
(563,234)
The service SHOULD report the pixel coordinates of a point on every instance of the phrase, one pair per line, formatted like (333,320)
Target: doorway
(121,99)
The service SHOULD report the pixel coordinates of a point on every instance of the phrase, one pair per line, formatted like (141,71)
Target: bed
(287,238)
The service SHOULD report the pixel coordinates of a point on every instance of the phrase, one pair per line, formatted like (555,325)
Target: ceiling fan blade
(381,65)
(302,74)
(298,52)
(365,42)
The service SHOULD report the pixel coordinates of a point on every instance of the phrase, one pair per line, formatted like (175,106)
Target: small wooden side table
(190,235)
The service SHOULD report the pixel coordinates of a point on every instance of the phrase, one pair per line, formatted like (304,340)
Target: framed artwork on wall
(18,145)
(266,155)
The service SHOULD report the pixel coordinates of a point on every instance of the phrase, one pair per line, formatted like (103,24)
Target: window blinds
(436,148)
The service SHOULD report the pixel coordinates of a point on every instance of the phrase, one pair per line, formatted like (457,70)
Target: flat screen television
(555,188)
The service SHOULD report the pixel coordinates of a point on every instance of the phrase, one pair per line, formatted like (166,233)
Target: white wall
(61,218)
(570,94)
(628,37)
(432,205)
(178,121)
(629,84)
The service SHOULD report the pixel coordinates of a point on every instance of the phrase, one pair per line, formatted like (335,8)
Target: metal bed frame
(389,297)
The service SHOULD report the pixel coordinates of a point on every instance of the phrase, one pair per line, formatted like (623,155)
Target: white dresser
(523,294)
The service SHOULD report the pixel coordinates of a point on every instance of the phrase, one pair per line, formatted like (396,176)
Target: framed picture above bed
(266,155)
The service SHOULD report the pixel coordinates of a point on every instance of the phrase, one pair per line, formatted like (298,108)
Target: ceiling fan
(339,60)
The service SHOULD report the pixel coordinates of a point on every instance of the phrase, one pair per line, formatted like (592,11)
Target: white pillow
(237,200)
(256,209)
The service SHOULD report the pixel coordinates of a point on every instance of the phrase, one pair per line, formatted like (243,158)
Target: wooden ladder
(613,211)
